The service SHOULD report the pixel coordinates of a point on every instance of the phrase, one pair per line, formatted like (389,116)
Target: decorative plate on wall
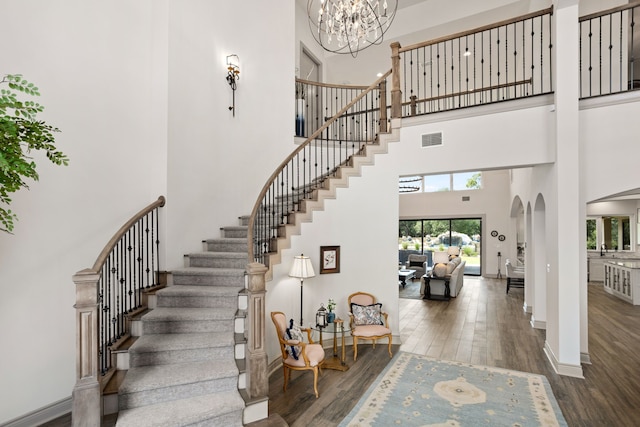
(501,237)
(494,233)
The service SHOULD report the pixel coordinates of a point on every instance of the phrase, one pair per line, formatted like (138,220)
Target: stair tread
(189,313)
(227,239)
(181,412)
(200,291)
(154,377)
(172,342)
(209,271)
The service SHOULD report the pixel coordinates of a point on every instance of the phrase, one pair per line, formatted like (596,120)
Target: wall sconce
(233,75)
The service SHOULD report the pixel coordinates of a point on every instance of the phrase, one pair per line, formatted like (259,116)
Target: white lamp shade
(301,268)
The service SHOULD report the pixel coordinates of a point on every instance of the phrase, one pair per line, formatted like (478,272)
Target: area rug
(416,390)
(411,290)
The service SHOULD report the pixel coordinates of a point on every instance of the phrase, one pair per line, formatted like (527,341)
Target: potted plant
(331,305)
(20,133)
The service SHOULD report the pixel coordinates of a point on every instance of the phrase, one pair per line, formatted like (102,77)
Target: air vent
(431,139)
(466,198)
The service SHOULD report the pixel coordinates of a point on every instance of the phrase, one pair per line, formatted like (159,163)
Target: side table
(337,361)
(427,289)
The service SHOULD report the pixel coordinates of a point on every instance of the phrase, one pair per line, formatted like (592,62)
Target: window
(443,182)
(592,235)
(610,233)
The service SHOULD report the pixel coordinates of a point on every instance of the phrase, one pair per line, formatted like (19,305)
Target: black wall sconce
(233,75)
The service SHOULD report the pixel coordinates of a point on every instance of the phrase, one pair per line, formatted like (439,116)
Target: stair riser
(180,356)
(182,391)
(187,326)
(232,419)
(234,233)
(222,246)
(208,280)
(214,262)
(198,302)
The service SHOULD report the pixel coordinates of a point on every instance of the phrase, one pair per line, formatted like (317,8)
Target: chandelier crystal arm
(349,26)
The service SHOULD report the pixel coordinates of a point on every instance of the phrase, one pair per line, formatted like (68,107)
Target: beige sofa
(437,279)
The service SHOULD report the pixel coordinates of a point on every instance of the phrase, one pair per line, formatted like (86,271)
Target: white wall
(130,84)
(100,73)
(367,236)
(217,162)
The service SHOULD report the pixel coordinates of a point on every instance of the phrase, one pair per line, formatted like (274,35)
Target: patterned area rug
(417,390)
(411,290)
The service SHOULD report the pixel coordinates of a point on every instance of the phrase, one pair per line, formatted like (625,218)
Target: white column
(564,267)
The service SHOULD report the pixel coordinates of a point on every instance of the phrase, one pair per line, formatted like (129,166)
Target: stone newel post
(87,402)
(257,379)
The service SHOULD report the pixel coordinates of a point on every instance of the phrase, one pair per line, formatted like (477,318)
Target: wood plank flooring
(484,325)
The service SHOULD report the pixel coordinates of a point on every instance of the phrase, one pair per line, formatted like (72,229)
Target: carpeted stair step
(199,296)
(216,409)
(200,276)
(218,259)
(239,231)
(227,245)
(163,349)
(149,385)
(178,320)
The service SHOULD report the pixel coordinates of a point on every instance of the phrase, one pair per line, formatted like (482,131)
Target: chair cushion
(293,332)
(370,331)
(367,314)
(315,354)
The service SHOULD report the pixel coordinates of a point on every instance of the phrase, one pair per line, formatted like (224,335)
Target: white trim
(585,358)
(562,368)
(42,415)
(538,324)
(527,308)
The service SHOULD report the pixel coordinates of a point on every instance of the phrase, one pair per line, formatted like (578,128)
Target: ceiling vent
(466,198)
(431,139)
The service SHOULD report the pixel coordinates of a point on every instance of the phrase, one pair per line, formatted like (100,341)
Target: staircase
(325,188)
(186,367)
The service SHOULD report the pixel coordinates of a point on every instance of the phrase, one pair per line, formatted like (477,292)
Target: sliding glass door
(428,235)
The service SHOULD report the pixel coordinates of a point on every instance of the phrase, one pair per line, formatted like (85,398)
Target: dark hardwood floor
(486,326)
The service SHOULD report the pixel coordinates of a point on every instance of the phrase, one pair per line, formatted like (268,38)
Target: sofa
(434,283)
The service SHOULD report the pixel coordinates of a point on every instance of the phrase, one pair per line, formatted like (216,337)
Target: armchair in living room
(419,263)
(515,275)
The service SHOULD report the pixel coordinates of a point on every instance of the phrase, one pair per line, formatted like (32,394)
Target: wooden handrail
(127,225)
(609,11)
(330,85)
(549,10)
(286,161)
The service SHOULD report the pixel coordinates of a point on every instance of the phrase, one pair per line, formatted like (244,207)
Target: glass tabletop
(333,327)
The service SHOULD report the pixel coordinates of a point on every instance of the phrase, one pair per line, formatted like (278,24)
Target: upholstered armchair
(367,321)
(296,354)
(418,263)
(515,275)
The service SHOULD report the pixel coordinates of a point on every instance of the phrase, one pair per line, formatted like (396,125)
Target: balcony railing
(499,62)
(356,124)
(609,45)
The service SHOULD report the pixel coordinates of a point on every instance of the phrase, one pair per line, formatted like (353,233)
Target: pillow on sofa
(367,314)
(439,270)
(456,260)
(451,266)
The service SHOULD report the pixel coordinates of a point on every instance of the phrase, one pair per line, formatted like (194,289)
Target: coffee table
(404,275)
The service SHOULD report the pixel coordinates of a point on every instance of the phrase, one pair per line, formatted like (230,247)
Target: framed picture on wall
(329,259)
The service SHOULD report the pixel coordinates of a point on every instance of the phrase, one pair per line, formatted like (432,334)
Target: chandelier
(349,26)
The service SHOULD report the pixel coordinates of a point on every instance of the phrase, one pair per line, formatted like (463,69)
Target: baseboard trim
(538,324)
(562,368)
(42,415)
(585,358)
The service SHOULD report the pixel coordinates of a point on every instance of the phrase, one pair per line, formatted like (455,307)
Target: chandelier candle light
(349,26)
